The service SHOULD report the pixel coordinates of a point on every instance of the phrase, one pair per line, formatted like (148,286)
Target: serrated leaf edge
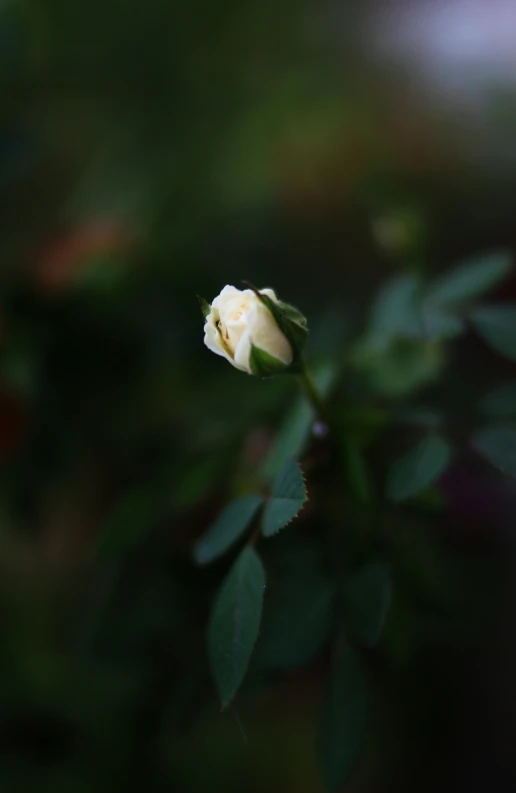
(294,517)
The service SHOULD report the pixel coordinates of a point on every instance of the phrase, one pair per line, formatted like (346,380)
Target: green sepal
(265,365)
(205,306)
(292,313)
(291,323)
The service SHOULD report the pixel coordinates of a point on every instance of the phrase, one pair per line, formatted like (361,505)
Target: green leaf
(344,719)
(418,469)
(393,309)
(234,623)
(264,365)
(501,401)
(470,280)
(229,526)
(205,306)
(497,326)
(368,599)
(434,325)
(287,497)
(498,446)
(403,310)
(403,368)
(297,624)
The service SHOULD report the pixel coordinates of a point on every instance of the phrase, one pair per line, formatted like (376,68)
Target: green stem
(353,460)
(311,393)
(357,470)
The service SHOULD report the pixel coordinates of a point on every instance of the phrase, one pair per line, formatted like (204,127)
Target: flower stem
(351,456)
(311,393)
(356,469)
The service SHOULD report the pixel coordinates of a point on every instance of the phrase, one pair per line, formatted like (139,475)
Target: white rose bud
(254,331)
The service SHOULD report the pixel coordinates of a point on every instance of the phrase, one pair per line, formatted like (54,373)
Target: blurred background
(152,151)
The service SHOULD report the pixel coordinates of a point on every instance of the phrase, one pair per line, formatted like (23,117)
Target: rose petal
(228,292)
(213,341)
(243,353)
(266,334)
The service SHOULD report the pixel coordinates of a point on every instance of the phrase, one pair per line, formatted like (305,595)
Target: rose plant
(353,608)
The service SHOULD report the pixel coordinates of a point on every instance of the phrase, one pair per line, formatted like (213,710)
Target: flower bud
(254,331)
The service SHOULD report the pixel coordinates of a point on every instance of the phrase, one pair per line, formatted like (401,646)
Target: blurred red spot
(63,259)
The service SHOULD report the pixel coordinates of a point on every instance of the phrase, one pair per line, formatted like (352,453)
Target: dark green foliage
(298,629)
(234,623)
(344,718)
(368,600)
(470,280)
(286,499)
(406,308)
(152,151)
(229,526)
(418,469)
(501,401)
(497,326)
(298,616)
(294,433)
(498,446)
(394,310)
